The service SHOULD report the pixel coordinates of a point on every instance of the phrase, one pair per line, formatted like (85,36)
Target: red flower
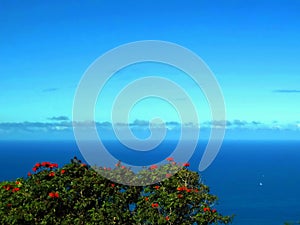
(153,167)
(167,218)
(9,205)
(44,163)
(170,159)
(51,174)
(28,174)
(168,175)
(183,188)
(55,165)
(62,171)
(156,187)
(37,165)
(113,185)
(34,169)
(154,205)
(83,165)
(214,210)
(123,167)
(15,189)
(180,196)
(206,209)
(146,199)
(53,195)
(186,164)
(7,187)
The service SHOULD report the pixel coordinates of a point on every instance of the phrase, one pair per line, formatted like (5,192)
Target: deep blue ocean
(258,181)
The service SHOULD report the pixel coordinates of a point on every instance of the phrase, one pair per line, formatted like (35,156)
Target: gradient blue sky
(252,47)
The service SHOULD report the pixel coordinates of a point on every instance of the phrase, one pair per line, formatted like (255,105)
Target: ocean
(257,181)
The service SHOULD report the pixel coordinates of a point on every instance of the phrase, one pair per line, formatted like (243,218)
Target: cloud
(59,118)
(50,89)
(64,128)
(287,91)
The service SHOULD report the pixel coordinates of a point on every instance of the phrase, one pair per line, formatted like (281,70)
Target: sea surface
(258,181)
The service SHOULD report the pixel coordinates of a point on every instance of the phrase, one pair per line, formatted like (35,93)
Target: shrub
(78,194)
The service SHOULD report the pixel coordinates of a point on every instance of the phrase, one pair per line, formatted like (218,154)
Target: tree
(78,194)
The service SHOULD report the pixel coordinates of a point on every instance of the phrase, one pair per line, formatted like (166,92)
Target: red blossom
(62,171)
(53,195)
(9,205)
(28,174)
(146,199)
(37,165)
(183,188)
(34,169)
(15,189)
(154,205)
(156,187)
(170,159)
(206,209)
(51,174)
(180,196)
(186,164)
(168,175)
(7,187)
(214,210)
(113,185)
(153,167)
(167,218)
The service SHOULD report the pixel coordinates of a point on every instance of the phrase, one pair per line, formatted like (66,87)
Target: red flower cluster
(186,164)
(51,174)
(168,175)
(156,187)
(154,205)
(62,171)
(153,167)
(9,187)
(44,164)
(170,159)
(107,168)
(206,209)
(53,195)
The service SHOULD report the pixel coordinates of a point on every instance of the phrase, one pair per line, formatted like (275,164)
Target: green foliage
(77,194)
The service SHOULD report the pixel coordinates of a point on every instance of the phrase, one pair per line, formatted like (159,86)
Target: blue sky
(252,47)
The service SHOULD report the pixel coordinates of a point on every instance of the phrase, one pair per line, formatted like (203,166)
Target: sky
(252,48)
